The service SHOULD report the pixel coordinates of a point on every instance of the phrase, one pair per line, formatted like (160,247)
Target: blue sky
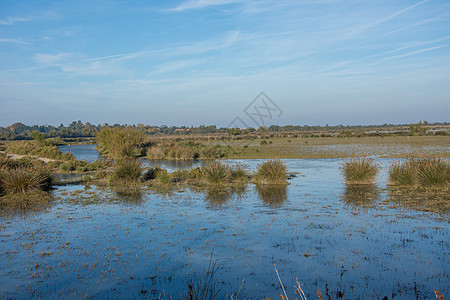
(192,62)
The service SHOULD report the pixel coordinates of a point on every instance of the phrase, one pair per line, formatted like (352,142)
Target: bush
(163,177)
(273,171)
(127,169)
(120,142)
(360,170)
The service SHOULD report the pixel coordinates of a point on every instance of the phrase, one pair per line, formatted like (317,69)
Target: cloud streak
(13,20)
(200,4)
(14,41)
(365,27)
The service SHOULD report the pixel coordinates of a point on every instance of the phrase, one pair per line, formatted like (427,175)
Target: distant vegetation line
(78,129)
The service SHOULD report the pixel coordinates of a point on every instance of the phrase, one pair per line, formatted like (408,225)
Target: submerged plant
(360,170)
(273,171)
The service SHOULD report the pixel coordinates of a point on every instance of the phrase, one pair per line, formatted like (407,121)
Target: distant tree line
(78,129)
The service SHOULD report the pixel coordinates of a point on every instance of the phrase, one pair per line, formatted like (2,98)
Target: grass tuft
(360,170)
(425,172)
(403,173)
(24,180)
(127,169)
(273,171)
(216,172)
(434,172)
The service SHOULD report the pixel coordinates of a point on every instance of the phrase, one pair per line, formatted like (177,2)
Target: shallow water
(81,152)
(349,242)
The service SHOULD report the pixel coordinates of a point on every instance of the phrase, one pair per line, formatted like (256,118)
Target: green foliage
(38,149)
(120,142)
(127,169)
(360,170)
(216,172)
(272,171)
(163,177)
(234,131)
(38,136)
(417,129)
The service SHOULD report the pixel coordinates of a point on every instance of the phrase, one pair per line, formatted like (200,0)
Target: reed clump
(424,172)
(216,172)
(360,170)
(272,171)
(24,182)
(403,173)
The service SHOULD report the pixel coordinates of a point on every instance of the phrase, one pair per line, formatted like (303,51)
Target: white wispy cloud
(229,39)
(375,23)
(13,20)
(15,41)
(175,66)
(199,4)
(412,53)
(42,58)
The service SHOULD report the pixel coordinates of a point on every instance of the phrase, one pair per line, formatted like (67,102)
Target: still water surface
(346,242)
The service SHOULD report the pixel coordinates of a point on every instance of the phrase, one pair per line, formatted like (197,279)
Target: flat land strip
(324,147)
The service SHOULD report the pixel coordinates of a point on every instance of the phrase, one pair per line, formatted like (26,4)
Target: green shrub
(120,142)
(360,170)
(163,177)
(216,172)
(128,169)
(209,153)
(273,171)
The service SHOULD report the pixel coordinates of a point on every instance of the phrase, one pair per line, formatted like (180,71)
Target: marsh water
(82,152)
(346,242)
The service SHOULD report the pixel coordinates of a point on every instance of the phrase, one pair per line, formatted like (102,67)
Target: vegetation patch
(360,170)
(423,172)
(273,171)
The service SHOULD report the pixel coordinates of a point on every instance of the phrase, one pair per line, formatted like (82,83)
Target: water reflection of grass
(271,194)
(433,200)
(360,196)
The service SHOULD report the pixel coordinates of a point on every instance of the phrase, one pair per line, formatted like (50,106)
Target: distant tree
(234,131)
(38,136)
